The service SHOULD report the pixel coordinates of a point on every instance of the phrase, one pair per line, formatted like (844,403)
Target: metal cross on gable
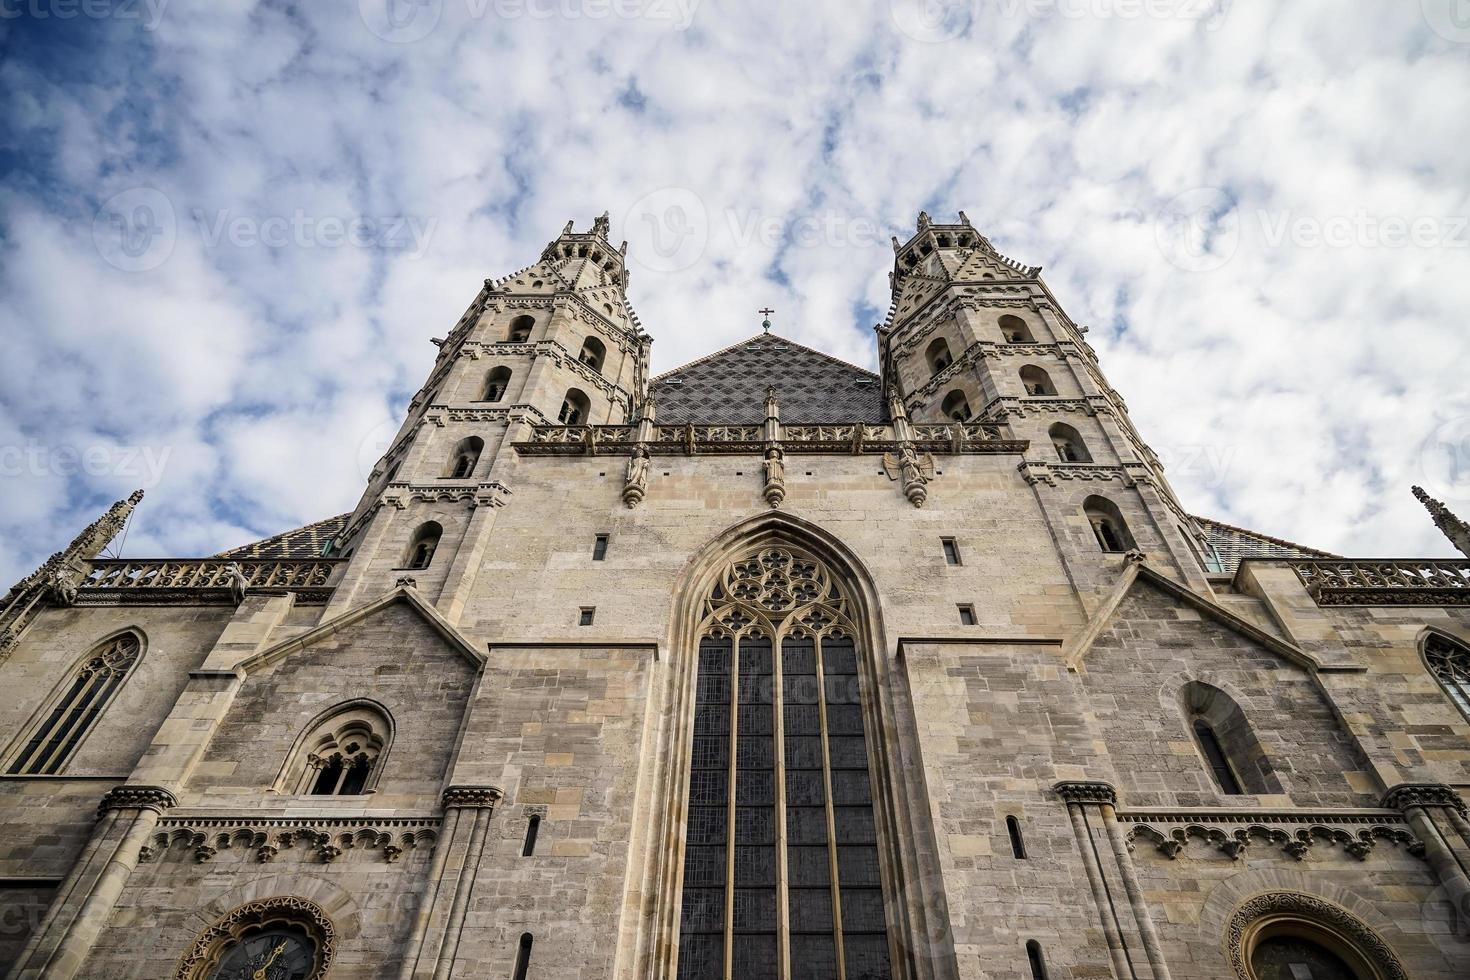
(766,323)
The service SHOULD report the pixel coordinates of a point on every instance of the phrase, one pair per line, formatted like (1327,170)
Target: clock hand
(260,974)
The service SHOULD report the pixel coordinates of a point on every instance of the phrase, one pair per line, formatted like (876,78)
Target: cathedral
(766,668)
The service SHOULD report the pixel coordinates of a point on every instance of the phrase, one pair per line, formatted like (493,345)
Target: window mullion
(831,815)
(730,808)
(783,880)
(50,758)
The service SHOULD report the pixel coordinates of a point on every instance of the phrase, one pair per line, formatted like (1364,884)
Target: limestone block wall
(392,657)
(1194,896)
(1135,672)
(562,730)
(997,726)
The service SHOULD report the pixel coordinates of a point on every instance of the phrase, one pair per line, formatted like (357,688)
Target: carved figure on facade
(913,470)
(775,466)
(635,482)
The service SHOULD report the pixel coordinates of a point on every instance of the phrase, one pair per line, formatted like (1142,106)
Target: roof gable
(730,386)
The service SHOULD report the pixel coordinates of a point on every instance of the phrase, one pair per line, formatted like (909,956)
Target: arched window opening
(1013,829)
(938,355)
(1069,445)
(523,957)
(1291,936)
(465,458)
(497,383)
(1108,526)
(1449,661)
(520,329)
(1033,957)
(74,712)
(341,753)
(594,352)
(778,638)
(425,542)
(1226,742)
(956,406)
(1015,331)
(1214,753)
(574,408)
(287,937)
(1037,382)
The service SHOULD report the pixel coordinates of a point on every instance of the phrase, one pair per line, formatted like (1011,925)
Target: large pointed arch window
(781,866)
(56,736)
(1449,662)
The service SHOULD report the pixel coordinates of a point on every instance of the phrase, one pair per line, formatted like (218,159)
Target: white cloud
(1306,376)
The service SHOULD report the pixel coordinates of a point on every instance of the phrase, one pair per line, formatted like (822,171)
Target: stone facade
(1092,751)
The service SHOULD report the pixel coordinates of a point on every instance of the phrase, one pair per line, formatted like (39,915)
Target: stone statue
(914,471)
(635,483)
(775,489)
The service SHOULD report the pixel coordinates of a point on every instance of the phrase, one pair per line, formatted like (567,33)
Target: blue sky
(231,228)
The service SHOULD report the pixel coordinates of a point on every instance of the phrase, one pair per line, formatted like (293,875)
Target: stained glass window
(91,689)
(786,888)
(1450,663)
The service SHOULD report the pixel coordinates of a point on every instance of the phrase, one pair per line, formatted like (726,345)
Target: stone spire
(1455,529)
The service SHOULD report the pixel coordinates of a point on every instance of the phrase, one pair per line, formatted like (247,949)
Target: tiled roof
(1236,544)
(303,542)
(730,386)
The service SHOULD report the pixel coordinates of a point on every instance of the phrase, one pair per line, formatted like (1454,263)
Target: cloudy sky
(230,228)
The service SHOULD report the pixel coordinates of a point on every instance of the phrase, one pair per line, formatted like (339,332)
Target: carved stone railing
(854,438)
(204,579)
(1386,581)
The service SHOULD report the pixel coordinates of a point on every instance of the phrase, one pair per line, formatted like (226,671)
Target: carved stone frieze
(264,840)
(1294,834)
(1385,582)
(491,494)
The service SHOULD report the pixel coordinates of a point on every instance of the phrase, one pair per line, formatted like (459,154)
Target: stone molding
(1385,581)
(472,797)
(1314,910)
(474,494)
(1406,795)
(125,797)
(1087,792)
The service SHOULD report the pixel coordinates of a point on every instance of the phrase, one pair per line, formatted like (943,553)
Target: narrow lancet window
(92,687)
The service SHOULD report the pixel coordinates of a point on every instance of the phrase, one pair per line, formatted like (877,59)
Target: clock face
(274,954)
